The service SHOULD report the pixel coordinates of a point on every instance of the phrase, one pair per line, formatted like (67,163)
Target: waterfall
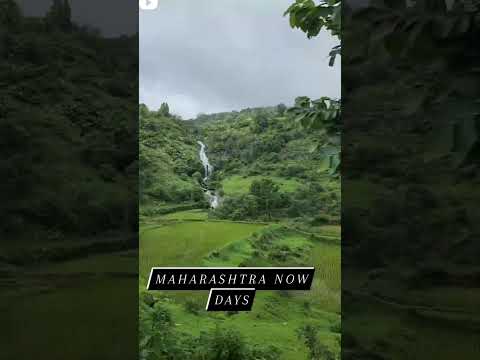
(208,168)
(204,159)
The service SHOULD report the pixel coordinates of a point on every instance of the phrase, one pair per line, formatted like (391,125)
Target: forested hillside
(69,141)
(278,190)
(168,161)
(266,165)
(410,245)
(271,197)
(68,109)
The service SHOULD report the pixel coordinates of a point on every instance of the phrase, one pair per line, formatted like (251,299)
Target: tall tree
(317,350)
(59,16)
(10,14)
(66,15)
(266,193)
(164,109)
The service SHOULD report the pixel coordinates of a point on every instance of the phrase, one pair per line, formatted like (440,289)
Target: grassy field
(47,310)
(276,316)
(196,214)
(274,320)
(237,184)
(186,243)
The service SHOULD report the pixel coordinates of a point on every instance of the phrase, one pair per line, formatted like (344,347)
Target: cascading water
(212,196)
(204,159)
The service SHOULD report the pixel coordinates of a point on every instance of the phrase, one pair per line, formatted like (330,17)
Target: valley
(248,188)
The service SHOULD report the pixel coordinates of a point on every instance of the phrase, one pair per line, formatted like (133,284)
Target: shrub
(192,307)
(229,344)
(321,219)
(317,350)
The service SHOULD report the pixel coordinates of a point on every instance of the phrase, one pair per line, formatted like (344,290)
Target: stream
(212,196)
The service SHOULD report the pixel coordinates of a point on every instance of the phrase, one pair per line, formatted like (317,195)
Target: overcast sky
(221,55)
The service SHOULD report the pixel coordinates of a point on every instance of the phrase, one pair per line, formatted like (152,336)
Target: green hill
(266,143)
(168,162)
(245,148)
(68,100)
(279,206)
(70,153)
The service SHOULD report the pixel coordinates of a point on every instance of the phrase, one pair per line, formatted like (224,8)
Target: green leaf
(293,21)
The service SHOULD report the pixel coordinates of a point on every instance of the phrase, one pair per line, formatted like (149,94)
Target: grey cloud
(112,17)
(221,55)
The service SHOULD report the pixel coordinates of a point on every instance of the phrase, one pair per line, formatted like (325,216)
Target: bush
(192,307)
(321,219)
(317,350)
(229,344)
(237,208)
(293,170)
(156,333)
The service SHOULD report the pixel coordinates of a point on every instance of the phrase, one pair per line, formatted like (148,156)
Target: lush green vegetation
(197,214)
(276,172)
(253,147)
(238,185)
(274,325)
(69,169)
(247,149)
(411,217)
(279,206)
(66,107)
(186,243)
(169,163)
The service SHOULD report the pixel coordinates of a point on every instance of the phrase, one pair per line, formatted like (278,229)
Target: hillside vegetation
(69,148)
(168,161)
(68,100)
(266,166)
(273,200)
(279,206)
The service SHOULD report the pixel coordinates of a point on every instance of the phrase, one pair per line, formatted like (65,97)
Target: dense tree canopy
(62,146)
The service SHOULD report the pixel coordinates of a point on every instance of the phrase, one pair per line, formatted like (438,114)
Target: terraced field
(184,239)
(187,243)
